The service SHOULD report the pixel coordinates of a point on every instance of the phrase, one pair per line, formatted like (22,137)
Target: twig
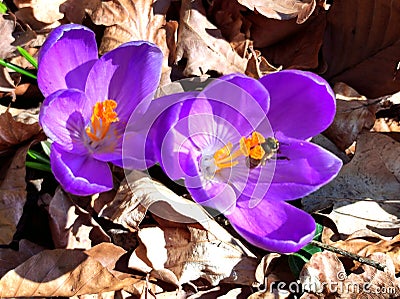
(362,260)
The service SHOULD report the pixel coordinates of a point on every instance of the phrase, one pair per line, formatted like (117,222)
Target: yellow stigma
(103,116)
(248,147)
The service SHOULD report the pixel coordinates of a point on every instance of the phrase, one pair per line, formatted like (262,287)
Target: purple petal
(80,174)
(140,146)
(66,58)
(64,116)
(128,74)
(214,194)
(302,103)
(304,168)
(243,95)
(274,226)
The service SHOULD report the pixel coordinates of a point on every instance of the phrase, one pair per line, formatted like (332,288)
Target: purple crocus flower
(89,101)
(241,147)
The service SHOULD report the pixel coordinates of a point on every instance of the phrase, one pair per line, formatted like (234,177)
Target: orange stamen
(103,116)
(248,147)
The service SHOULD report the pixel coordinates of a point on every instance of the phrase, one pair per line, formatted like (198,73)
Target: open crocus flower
(241,147)
(89,101)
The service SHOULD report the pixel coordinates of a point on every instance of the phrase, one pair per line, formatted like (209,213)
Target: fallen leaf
(354,113)
(12,195)
(44,11)
(202,44)
(10,259)
(71,226)
(7,25)
(325,276)
(189,242)
(134,20)
(282,10)
(366,191)
(13,132)
(66,273)
(362,45)
(7,83)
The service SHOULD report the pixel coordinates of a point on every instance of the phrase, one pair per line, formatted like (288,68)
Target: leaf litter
(142,239)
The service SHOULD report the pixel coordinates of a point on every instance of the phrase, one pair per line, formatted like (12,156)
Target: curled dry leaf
(362,46)
(202,43)
(282,9)
(66,273)
(364,243)
(43,11)
(135,20)
(324,275)
(12,195)
(13,132)
(71,226)
(354,113)
(366,191)
(7,25)
(187,241)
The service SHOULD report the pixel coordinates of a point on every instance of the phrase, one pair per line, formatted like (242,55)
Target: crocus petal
(66,58)
(303,168)
(80,174)
(214,194)
(133,71)
(302,103)
(244,95)
(63,117)
(274,226)
(145,133)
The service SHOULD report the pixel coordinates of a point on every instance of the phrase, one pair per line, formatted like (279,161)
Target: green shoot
(42,161)
(38,166)
(3,8)
(17,69)
(39,157)
(28,56)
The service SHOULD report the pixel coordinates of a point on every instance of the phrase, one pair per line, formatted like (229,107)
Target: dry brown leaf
(386,125)
(325,275)
(191,245)
(354,113)
(66,273)
(282,9)
(71,226)
(13,132)
(366,191)
(364,243)
(7,84)
(128,20)
(202,44)
(7,25)
(9,258)
(362,45)
(44,11)
(12,194)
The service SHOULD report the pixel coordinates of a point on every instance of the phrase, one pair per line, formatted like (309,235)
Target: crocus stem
(28,56)
(17,69)
(353,256)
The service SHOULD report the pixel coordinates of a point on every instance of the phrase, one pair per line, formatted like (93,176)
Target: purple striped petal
(129,75)
(66,58)
(80,174)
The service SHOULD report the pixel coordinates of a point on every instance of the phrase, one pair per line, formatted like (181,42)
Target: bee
(270,147)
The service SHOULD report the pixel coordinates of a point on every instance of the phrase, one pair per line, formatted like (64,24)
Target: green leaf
(44,159)
(3,8)
(17,69)
(38,166)
(28,56)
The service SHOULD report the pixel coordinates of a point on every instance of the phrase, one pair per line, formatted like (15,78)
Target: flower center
(103,116)
(257,149)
